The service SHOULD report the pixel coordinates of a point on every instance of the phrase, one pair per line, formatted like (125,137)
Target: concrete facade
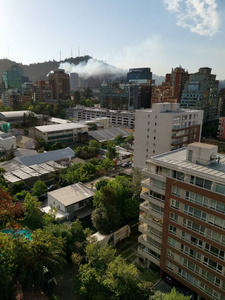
(182,218)
(163,128)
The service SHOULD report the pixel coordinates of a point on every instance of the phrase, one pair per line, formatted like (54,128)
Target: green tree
(119,139)
(17,187)
(27,261)
(39,188)
(94,143)
(32,212)
(173,295)
(107,276)
(111,150)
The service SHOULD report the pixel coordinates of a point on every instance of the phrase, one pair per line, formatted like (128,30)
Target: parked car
(125,164)
(169,280)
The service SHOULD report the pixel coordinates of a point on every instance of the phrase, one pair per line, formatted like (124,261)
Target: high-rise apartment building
(60,82)
(163,128)
(201,92)
(74,81)
(163,93)
(177,79)
(13,78)
(182,219)
(221,129)
(43,91)
(221,104)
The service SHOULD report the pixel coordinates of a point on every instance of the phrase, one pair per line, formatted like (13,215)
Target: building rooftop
(177,160)
(72,194)
(60,127)
(40,158)
(103,135)
(13,114)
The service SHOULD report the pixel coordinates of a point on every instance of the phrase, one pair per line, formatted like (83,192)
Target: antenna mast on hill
(60,54)
(71,52)
(78,51)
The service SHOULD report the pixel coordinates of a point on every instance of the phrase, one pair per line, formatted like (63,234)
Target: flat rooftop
(60,127)
(177,160)
(72,194)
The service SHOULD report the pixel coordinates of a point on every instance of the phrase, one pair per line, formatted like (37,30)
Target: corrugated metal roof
(45,157)
(108,134)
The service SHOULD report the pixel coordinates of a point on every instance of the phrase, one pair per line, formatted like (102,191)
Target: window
(217,206)
(194,226)
(160,184)
(170,253)
(153,242)
(190,252)
(157,196)
(175,204)
(212,264)
(154,138)
(191,239)
(178,175)
(215,251)
(196,213)
(171,241)
(198,199)
(206,184)
(175,191)
(216,221)
(173,229)
(169,265)
(211,277)
(216,237)
(173,217)
(220,188)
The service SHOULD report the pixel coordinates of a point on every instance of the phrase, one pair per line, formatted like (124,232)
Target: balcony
(142,239)
(142,251)
(149,219)
(146,183)
(143,228)
(145,207)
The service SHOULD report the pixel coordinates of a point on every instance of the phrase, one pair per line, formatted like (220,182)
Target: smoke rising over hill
(93,68)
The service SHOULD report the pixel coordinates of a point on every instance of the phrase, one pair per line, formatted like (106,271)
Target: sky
(160,34)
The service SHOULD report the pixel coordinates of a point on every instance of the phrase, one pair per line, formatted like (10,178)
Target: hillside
(38,71)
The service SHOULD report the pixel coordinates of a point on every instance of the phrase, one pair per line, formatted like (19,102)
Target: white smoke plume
(200,16)
(93,67)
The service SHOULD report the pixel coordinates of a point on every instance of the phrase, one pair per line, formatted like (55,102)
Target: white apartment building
(182,220)
(116,117)
(163,128)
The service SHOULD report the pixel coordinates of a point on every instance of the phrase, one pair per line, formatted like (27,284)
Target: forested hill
(39,71)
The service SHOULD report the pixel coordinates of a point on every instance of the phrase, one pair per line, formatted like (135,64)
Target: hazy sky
(160,34)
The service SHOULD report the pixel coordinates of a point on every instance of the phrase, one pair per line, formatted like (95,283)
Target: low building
(121,118)
(76,200)
(68,132)
(7,142)
(14,116)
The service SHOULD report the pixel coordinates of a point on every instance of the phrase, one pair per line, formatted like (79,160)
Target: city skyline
(157,34)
